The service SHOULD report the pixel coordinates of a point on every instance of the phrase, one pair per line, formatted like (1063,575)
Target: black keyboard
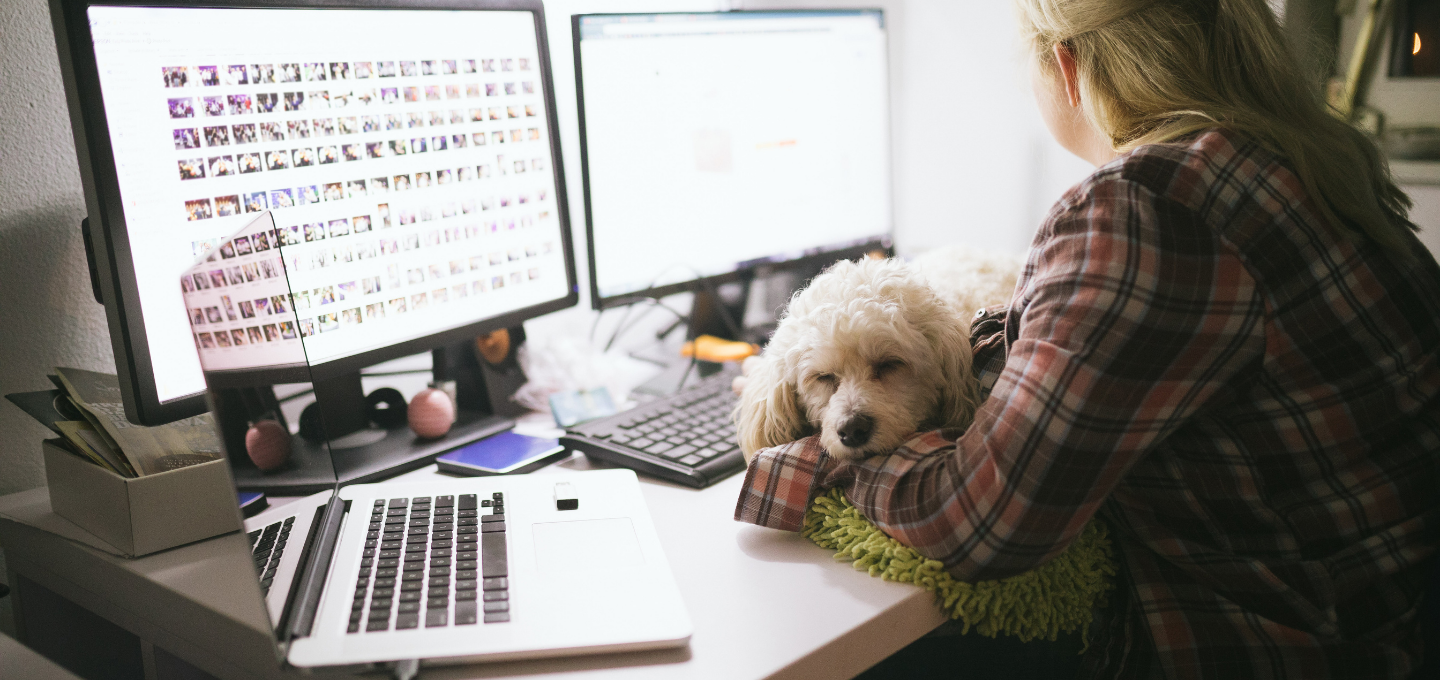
(686,438)
(406,574)
(266,546)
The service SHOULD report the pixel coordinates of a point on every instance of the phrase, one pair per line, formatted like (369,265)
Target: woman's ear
(768,413)
(959,391)
(1069,72)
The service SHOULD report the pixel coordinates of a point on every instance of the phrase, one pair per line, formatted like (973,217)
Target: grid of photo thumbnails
(449,278)
(315,106)
(241,320)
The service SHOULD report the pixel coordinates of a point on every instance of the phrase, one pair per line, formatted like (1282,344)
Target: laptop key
(493,557)
(465,595)
(465,613)
(407,607)
(492,527)
(495,595)
(409,596)
(435,618)
(438,603)
(407,586)
(501,583)
(497,617)
(404,621)
(467,502)
(492,607)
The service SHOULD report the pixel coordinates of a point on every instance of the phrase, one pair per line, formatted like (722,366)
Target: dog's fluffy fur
(883,341)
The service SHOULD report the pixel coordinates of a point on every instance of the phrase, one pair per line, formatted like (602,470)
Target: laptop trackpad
(586,546)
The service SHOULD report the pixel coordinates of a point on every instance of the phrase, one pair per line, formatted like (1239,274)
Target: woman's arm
(1136,314)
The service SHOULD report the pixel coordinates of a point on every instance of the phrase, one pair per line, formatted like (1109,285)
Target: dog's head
(865,356)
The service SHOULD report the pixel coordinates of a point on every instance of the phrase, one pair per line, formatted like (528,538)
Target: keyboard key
(465,613)
(410,596)
(497,617)
(414,574)
(492,607)
(442,544)
(404,621)
(468,521)
(410,585)
(642,443)
(465,585)
(496,583)
(464,595)
(466,564)
(407,607)
(492,527)
(658,447)
(691,460)
(398,502)
(384,583)
(677,439)
(467,502)
(377,624)
(493,556)
(439,582)
(382,593)
(444,500)
(388,562)
(435,618)
(496,595)
(679,452)
(438,603)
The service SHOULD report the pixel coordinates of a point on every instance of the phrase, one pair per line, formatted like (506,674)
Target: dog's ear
(959,390)
(768,413)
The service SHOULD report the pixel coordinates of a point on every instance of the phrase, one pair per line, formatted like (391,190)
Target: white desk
(765,604)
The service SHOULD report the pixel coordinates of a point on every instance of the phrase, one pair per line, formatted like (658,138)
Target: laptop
(465,570)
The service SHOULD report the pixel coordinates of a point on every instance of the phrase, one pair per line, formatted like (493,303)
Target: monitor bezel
(882,242)
(108,232)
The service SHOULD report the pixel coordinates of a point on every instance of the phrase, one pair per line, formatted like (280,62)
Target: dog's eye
(827,378)
(885,367)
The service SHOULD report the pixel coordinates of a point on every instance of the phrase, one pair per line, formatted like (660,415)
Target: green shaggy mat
(1058,596)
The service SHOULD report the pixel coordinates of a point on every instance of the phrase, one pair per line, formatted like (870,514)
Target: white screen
(217,114)
(719,139)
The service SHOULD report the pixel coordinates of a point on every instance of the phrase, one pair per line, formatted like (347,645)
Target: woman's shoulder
(1211,172)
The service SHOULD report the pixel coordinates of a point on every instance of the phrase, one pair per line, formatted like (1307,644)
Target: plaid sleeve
(780,483)
(987,339)
(1121,332)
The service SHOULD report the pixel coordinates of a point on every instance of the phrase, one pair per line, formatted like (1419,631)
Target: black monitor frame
(743,272)
(114,273)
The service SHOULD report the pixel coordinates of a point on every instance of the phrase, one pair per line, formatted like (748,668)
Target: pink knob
(431,413)
(268,444)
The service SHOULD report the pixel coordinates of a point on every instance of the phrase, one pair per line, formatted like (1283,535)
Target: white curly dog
(872,352)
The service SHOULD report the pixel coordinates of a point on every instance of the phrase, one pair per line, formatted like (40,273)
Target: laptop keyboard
(266,546)
(432,562)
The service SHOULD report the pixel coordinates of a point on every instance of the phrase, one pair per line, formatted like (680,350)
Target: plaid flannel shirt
(1246,398)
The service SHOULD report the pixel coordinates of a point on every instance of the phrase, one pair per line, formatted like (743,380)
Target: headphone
(385,407)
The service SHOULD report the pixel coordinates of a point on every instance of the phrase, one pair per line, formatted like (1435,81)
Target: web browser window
(404,154)
(716,140)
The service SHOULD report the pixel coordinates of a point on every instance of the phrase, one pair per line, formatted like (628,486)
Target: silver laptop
(467,570)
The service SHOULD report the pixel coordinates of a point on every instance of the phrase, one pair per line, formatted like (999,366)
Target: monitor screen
(717,141)
(405,155)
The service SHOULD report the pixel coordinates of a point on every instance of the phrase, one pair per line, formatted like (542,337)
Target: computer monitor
(405,147)
(714,143)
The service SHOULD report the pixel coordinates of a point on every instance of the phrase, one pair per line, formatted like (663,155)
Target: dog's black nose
(856,431)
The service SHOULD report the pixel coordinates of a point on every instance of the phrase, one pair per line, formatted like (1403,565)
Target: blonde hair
(1153,71)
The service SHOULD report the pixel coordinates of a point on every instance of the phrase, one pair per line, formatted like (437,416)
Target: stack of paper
(86,410)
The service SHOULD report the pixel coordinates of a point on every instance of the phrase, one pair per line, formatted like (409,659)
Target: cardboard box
(146,514)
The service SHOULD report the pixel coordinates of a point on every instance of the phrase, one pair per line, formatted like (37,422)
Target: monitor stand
(710,314)
(358,451)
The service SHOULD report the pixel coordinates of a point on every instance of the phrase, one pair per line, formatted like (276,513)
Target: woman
(1224,346)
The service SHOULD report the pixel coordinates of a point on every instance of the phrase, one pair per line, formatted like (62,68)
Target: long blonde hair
(1152,71)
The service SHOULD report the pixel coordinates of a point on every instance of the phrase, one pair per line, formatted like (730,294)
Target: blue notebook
(505,453)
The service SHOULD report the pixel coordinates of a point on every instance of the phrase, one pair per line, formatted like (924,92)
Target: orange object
(711,348)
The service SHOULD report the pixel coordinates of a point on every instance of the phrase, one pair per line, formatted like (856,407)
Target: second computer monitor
(715,142)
